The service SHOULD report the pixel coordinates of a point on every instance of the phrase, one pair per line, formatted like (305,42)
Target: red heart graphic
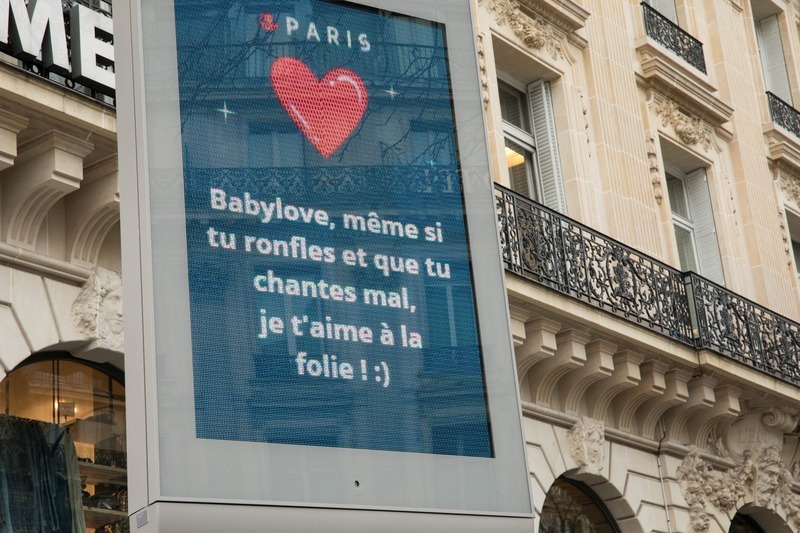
(327,110)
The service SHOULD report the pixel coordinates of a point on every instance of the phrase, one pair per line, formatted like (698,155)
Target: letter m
(35,29)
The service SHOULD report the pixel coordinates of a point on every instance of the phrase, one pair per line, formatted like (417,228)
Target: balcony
(548,248)
(670,35)
(784,115)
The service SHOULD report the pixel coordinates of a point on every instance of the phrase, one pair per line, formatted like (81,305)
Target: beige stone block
(33,310)
(14,348)
(62,295)
(540,470)
(5,285)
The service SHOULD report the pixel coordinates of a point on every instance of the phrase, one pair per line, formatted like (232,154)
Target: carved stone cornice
(689,128)
(564,14)
(530,27)
(789,182)
(666,75)
(784,149)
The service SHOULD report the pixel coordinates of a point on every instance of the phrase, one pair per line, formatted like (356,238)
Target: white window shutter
(772,58)
(705,232)
(544,133)
(666,8)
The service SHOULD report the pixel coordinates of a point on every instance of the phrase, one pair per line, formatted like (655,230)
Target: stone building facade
(666,142)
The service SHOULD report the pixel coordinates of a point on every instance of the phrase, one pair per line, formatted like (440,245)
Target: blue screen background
(400,162)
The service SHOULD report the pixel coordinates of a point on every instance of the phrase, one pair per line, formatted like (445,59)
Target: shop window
(773,62)
(744,524)
(693,223)
(62,448)
(666,8)
(531,147)
(571,507)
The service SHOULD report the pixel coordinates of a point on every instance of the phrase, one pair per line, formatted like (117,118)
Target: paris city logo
(327,110)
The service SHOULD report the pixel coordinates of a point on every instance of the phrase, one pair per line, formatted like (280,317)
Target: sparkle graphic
(225,110)
(391,92)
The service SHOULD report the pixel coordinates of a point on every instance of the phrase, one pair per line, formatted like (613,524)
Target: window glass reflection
(62,449)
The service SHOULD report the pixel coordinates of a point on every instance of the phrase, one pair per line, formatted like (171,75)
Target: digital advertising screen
(330,282)
(316,319)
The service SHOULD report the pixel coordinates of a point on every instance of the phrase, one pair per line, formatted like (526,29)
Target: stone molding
(665,77)
(481,48)
(655,170)
(533,30)
(689,128)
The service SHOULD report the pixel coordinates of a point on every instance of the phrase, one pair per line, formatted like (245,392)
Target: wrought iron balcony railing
(734,326)
(545,246)
(549,248)
(784,115)
(669,34)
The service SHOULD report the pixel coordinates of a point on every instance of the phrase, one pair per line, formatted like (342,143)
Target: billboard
(318,246)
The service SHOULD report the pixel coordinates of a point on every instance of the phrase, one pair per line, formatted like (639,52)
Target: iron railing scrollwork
(669,34)
(783,114)
(743,330)
(549,248)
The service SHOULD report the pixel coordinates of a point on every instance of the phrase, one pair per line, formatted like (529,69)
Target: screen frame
(163,448)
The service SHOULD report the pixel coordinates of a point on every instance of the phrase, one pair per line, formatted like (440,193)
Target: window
(62,447)
(666,8)
(531,147)
(571,507)
(693,222)
(744,524)
(773,63)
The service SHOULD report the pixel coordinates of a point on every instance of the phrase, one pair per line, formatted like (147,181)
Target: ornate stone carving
(655,170)
(482,68)
(782,418)
(790,185)
(534,31)
(97,311)
(690,129)
(587,445)
(760,478)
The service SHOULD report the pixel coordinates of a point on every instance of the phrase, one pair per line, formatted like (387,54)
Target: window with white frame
(531,147)
(666,8)
(770,50)
(693,223)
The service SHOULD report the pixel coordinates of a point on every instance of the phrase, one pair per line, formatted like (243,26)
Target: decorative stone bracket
(47,169)
(92,212)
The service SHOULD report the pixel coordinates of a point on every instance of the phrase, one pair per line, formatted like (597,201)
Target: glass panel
(677,196)
(520,169)
(64,428)
(795,250)
(571,509)
(685,240)
(744,524)
(513,107)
